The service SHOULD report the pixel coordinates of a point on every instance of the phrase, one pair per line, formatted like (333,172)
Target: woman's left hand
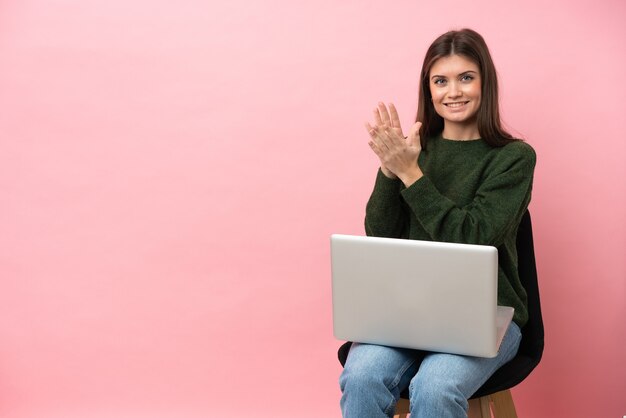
(398,154)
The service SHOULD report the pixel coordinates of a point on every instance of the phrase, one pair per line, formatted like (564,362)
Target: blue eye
(467,77)
(440,81)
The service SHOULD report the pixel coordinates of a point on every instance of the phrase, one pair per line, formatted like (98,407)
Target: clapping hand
(397,153)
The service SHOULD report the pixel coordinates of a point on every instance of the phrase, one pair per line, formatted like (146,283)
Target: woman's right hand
(388,124)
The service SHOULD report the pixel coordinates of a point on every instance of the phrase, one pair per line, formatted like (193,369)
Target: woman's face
(455,89)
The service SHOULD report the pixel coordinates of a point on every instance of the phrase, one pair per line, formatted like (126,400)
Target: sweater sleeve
(385,215)
(498,204)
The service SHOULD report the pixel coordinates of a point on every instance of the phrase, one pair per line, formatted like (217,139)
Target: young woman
(455,176)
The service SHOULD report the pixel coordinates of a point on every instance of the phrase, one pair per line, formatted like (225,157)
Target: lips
(456,104)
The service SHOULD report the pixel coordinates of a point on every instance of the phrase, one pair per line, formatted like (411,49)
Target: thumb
(414,133)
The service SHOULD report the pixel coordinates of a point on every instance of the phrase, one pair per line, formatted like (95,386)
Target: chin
(471,118)
(459,120)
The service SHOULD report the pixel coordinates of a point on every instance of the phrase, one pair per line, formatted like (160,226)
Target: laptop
(432,296)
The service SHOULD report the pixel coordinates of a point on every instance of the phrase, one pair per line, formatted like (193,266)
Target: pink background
(170,173)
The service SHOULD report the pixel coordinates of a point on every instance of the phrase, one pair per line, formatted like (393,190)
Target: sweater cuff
(386,186)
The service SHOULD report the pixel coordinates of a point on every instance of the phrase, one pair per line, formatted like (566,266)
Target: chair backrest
(533,333)
(531,347)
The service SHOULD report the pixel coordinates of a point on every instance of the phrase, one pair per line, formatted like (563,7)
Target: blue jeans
(439,386)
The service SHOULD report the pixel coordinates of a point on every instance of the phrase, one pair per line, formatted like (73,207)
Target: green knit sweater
(470,193)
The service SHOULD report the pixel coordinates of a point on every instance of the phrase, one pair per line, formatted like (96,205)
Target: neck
(460,132)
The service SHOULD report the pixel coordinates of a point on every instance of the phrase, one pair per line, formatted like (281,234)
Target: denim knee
(372,379)
(436,396)
(365,394)
(360,378)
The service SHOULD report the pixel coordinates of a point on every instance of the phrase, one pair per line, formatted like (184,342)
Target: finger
(414,133)
(384,141)
(415,129)
(394,138)
(395,119)
(384,114)
(371,131)
(376,147)
(389,137)
(377,118)
(376,135)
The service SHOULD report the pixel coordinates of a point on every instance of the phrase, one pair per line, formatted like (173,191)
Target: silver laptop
(432,296)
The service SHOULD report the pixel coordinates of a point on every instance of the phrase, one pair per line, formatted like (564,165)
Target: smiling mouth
(456,104)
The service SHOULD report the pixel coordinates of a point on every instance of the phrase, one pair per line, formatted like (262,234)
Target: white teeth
(458,104)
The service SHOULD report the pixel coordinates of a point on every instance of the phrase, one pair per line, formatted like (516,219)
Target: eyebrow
(463,73)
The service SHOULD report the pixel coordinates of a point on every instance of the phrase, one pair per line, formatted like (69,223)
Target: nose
(455,90)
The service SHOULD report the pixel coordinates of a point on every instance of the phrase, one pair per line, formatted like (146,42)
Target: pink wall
(170,174)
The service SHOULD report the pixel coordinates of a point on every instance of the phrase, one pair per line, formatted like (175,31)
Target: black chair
(495,392)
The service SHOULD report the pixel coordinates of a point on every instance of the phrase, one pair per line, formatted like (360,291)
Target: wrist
(411,176)
(388,173)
